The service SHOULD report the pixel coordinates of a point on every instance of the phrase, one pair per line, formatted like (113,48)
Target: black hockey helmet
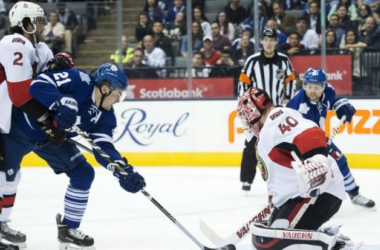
(268,32)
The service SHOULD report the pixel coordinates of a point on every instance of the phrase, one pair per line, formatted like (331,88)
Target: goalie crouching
(304,182)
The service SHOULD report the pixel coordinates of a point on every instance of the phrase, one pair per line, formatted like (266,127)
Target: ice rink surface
(119,220)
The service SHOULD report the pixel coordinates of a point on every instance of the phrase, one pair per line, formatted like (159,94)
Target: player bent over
(313,101)
(307,189)
(74,97)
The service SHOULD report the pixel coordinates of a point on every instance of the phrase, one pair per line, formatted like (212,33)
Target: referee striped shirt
(269,74)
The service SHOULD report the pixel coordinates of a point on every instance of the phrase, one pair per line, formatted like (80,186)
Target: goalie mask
(250,108)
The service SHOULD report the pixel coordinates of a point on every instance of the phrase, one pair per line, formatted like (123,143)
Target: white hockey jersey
(285,130)
(20,62)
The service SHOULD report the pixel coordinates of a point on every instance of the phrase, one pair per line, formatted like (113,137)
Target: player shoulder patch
(277,114)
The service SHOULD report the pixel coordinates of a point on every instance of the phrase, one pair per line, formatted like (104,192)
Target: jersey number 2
(18,59)
(290,123)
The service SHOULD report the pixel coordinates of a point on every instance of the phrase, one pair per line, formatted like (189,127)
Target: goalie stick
(238,234)
(158,205)
(264,214)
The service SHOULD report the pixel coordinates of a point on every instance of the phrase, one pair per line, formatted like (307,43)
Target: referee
(271,71)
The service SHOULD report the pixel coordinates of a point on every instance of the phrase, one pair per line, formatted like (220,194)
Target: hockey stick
(336,129)
(238,234)
(244,230)
(158,205)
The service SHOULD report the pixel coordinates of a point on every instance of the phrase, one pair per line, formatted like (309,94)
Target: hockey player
(306,192)
(22,57)
(313,101)
(76,98)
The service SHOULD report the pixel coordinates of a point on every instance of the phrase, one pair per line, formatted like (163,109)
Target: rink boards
(208,133)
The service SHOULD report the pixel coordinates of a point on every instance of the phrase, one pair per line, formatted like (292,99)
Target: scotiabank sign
(177,88)
(338,70)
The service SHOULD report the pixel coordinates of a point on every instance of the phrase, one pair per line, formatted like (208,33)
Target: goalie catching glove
(343,107)
(129,180)
(312,175)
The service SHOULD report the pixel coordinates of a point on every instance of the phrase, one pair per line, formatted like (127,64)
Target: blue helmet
(113,75)
(315,75)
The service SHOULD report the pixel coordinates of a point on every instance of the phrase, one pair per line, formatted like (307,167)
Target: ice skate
(4,246)
(360,200)
(246,186)
(72,239)
(13,236)
(345,243)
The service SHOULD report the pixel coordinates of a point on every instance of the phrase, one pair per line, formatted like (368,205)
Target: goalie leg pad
(265,238)
(307,213)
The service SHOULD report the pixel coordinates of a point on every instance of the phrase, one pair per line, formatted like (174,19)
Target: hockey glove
(67,108)
(343,107)
(311,175)
(129,180)
(53,134)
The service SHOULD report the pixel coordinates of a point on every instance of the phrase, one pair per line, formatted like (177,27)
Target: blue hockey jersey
(49,87)
(315,111)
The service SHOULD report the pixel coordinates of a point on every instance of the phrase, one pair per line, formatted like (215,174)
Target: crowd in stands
(229,39)
(63,31)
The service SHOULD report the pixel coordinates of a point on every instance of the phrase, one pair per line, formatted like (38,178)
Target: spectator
(309,36)
(344,20)
(351,42)
(197,36)
(294,46)
(364,12)
(227,29)
(200,3)
(54,33)
(370,34)
(3,12)
(281,37)
(263,19)
(199,68)
(314,17)
(143,27)
(136,69)
(127,53)
(247,30)
(334,25)
(246,49)
(371,3)
(351,9)
(224,67)
(285,22)
(376,14)
(154,57)
(200,17)
(172,12)
(154,12)
(235,12)
(211,56)
(69,20)
(160,40)
(220,41)
(331,44)
(177,29)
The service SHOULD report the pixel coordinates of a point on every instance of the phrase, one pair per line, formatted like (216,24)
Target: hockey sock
(350,184)
(8,202)
(75,206)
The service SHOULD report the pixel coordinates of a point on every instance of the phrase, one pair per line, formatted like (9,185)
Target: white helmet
(22,10)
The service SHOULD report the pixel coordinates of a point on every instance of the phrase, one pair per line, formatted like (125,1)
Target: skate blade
(69,246)
(21,245)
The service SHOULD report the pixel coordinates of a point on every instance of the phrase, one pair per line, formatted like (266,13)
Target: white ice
(120,220)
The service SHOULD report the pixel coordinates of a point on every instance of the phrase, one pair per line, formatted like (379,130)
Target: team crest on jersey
(95,113)
(263,167)
(280,74)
